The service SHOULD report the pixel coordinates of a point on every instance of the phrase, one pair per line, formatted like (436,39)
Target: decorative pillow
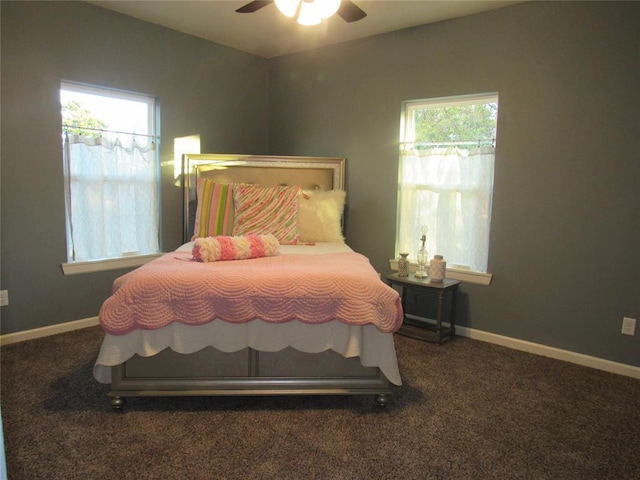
(213,249)
(320,215)
(214,213)
(261,210)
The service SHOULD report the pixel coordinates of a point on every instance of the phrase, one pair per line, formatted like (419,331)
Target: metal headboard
(312,173)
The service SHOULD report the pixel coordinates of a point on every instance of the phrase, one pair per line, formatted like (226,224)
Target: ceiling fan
(347,10)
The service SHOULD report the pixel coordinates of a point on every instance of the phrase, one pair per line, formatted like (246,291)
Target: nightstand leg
(439,319)
(454,295)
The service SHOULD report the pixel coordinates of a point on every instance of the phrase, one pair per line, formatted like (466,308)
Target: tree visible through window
(446,178)
(111,173)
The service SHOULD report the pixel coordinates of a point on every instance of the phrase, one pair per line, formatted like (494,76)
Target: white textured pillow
(320,215)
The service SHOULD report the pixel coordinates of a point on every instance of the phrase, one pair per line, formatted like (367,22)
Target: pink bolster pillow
(213,249)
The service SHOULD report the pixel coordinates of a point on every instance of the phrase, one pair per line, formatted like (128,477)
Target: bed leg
(383,399)
(117,403)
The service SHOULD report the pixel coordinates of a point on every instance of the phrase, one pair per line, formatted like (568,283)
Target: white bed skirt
(375,349)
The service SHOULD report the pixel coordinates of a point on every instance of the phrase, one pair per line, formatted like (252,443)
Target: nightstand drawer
(421,303)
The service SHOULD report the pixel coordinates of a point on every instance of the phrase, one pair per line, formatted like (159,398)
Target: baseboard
(516,344)
(47,331)
(551,352)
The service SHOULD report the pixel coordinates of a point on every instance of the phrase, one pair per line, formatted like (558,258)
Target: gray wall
(204,88)
(565,234)
(565,230)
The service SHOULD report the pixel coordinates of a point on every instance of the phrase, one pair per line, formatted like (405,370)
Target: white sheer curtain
(111,197)
(448,190)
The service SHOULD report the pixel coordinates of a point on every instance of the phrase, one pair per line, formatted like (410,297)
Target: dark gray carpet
(467,410)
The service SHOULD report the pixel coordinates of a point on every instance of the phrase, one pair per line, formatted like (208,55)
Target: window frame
(407,136)
(73,267)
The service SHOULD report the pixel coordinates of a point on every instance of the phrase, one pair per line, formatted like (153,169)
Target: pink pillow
(213,249)
(214,213)
(262,210)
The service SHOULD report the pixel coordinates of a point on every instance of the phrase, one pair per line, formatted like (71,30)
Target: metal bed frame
(249,372)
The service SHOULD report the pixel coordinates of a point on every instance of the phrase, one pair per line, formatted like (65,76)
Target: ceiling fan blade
(254,6)
(350,12)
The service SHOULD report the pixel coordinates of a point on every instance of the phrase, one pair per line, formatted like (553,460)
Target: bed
(311,317)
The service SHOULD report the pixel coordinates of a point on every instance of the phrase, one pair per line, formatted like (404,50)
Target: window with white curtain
(111,173)
(447,153)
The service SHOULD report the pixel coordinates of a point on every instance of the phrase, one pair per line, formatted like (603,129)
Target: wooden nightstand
(426,305)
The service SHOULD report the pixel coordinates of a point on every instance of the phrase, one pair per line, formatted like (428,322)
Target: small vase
(437,268)
(403,265)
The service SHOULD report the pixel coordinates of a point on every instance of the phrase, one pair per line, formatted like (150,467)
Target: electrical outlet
(4,298)
(629,326)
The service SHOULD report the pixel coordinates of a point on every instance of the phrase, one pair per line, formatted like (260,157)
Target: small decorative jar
(403,265)
(437,268)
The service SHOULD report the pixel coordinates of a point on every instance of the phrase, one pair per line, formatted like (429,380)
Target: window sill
(465,276)
(75,268)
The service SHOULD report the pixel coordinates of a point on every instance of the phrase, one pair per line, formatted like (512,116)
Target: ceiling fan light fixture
(326,8)
(308,12)
(288,7)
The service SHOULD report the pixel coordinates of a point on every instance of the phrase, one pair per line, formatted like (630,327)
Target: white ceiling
(268,33)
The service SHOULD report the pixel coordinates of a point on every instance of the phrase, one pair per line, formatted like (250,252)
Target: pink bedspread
(310,288)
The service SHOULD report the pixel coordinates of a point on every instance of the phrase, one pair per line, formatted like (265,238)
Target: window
(111,173)
(447,150)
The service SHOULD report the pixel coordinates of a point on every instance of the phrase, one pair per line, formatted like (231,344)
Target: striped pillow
(263,210)
(214,213)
